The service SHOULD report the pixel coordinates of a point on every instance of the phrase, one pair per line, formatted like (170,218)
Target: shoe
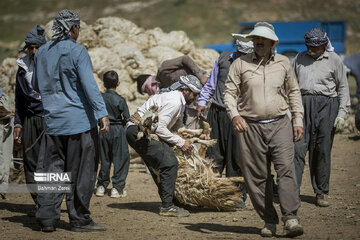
(100,191)
(269,230)
(292,228)
(91,227)
(174,211)
(33,211)
(3,195)
(48,228)
(116,194)
(321,200)
(240,204)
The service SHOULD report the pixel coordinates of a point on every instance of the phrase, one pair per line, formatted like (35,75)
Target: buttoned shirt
(208,91)
(268,91)
(171,106)
(71,99)
(324,76)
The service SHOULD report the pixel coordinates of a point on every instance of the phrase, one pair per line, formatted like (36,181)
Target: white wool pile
(118,44)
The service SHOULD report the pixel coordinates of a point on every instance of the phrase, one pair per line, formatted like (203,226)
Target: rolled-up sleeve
(85,71)
(165,117)
(209,88)
(342,89)
(232,89)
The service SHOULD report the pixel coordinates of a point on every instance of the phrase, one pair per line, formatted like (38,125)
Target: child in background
(113,145)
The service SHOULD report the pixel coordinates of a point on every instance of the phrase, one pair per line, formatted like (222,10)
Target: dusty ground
(136,216)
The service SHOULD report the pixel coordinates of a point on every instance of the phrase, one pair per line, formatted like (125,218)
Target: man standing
(325,96)
(28,107)
(225,151)
(6,142)
(158,155)
(72,106)
(268,87)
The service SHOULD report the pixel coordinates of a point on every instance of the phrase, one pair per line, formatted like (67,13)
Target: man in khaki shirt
(267,84)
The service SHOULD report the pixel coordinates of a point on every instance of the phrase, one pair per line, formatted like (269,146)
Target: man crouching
(158,155)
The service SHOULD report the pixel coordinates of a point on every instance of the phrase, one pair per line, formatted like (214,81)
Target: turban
(189,81)
(35,36)
(244,47)
(316,37)
(63,23)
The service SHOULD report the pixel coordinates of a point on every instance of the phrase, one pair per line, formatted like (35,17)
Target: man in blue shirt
(72,108)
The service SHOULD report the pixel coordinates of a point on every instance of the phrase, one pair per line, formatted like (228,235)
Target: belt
(265,120)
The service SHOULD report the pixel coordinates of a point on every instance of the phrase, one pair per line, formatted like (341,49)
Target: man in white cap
(225,151)
(325,96)
(267,84)
(158,155)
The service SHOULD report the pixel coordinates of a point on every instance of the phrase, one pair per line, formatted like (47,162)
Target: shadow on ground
(205,227)
(308,199)
(155,206)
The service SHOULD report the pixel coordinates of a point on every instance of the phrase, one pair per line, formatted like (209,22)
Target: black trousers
(157,155)
(114,149)
(320,113)
(77,154)
(33,127)
(225,152)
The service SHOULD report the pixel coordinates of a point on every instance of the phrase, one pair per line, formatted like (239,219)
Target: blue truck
(291,36)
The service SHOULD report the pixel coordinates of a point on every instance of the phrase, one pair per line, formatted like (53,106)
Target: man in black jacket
(28,107)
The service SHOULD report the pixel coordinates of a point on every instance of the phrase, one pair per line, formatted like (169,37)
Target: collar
(24,62)
(254,58)
(324,55)
(182,98)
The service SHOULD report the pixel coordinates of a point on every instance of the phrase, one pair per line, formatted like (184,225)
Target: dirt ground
(136,216)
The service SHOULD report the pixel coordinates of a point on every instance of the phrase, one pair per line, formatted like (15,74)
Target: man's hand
(239,124)
(200,110)
(187,146)
(17,132)
(204,137)
(339,124)
(104,125)
(298,133)
(203,79)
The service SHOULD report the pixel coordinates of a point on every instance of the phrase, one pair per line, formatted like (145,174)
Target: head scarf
(244,47)
(189,81)
(63,23)
(316,37)
(35,36)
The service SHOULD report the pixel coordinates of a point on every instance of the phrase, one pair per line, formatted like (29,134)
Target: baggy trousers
(114,149)
(319,117)
(33,127)
(157,155)
(6,146)
(77,154)
(260,145)
(225,152)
